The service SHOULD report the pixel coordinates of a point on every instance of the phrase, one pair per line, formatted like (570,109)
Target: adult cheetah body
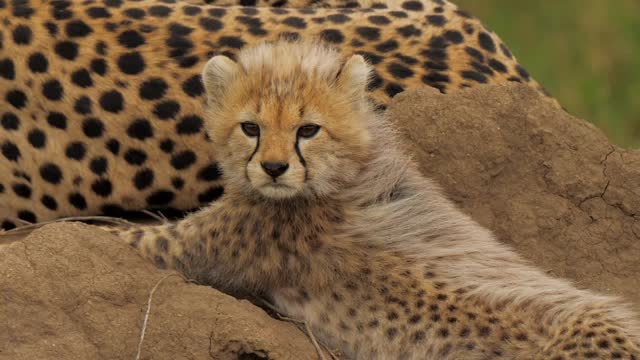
(102,105)
(363,247)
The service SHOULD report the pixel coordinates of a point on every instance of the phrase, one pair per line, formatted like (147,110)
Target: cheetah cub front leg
(326,216)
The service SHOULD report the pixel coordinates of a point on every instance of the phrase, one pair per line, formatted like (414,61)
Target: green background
(585,52)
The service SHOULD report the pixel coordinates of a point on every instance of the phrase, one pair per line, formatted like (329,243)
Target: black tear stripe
(302,160)
(246,168)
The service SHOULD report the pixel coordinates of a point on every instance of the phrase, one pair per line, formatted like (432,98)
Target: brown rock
(71,291)
(548,183)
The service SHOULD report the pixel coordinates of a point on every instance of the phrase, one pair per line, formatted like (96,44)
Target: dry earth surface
(547,183)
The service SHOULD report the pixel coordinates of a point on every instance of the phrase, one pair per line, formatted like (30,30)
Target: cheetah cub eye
(250,129)
(308,131)
(288,119)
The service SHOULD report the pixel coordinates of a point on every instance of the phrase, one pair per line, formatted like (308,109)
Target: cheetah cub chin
(327,217)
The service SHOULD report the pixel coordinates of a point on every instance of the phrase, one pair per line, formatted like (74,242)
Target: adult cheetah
(325,216)
(102,105)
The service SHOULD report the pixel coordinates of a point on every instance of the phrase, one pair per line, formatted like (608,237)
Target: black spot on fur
(82,78)
(92,127)
(27,216)
(392,89)
(113,146)
(7,69)
(99,66)
(143,179)
(167,145)
(409,31)
(51,173)
(295,22)
(160,11)
(131,39)
(98,12)
(399,71)
(22,35)
(75,150)
(412,5)
(10,151)
(102,187)
(52,90)
(454,36)
(189,125)
(369,33)
(77,28)
(522,72)
(140,129)
(379,20)
(387,46)
(131,63)
(37,138)
(231,41)
(210,24)
(49,202)
(153,89)
(77,201)
(211,194)
(57,120)
(112,101)
(98,165)
(486,42)
(22,190)
(67,50)
(193,86)
(166,110)
(338,18)
(160,198)
(476,76)
(16,98)
(10,121)
(38,63)
(183,160)
(211,172)
(135,156)
(332,36)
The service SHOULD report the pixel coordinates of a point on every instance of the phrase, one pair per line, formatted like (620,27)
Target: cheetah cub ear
(217,75)
(353,79)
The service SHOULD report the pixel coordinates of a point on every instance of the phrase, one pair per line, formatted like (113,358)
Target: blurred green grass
(585,52)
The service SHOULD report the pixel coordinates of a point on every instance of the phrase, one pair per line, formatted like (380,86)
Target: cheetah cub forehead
(288,119)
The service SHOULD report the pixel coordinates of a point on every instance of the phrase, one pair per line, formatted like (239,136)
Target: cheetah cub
(328,218)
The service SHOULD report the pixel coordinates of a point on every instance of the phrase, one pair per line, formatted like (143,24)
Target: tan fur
(133,67)
(382,266)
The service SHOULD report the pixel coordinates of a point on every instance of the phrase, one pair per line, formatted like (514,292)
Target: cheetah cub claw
(327,217)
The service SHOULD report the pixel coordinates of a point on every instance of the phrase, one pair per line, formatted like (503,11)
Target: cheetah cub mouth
(288,119)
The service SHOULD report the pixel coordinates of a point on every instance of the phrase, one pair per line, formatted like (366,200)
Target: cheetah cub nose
(274,168)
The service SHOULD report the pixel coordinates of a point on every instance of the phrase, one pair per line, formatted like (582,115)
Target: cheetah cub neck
(291,120)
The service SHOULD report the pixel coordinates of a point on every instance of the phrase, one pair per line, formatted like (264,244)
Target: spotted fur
(380,265)
(101,103)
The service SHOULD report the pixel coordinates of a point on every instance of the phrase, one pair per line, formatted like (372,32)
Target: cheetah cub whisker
(327,217)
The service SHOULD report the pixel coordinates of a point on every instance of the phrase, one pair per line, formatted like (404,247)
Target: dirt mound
(547,183)
(71,291)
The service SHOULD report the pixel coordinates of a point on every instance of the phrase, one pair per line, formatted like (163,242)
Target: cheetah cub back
(326,216)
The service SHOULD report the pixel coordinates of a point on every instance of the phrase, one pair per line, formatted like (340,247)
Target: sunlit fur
(282,88)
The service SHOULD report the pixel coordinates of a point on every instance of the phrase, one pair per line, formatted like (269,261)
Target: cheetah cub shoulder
(325,215)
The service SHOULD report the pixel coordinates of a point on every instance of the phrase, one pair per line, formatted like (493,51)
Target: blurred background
(585,52)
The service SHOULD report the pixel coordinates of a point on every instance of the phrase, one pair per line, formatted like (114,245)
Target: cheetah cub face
(288,119)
